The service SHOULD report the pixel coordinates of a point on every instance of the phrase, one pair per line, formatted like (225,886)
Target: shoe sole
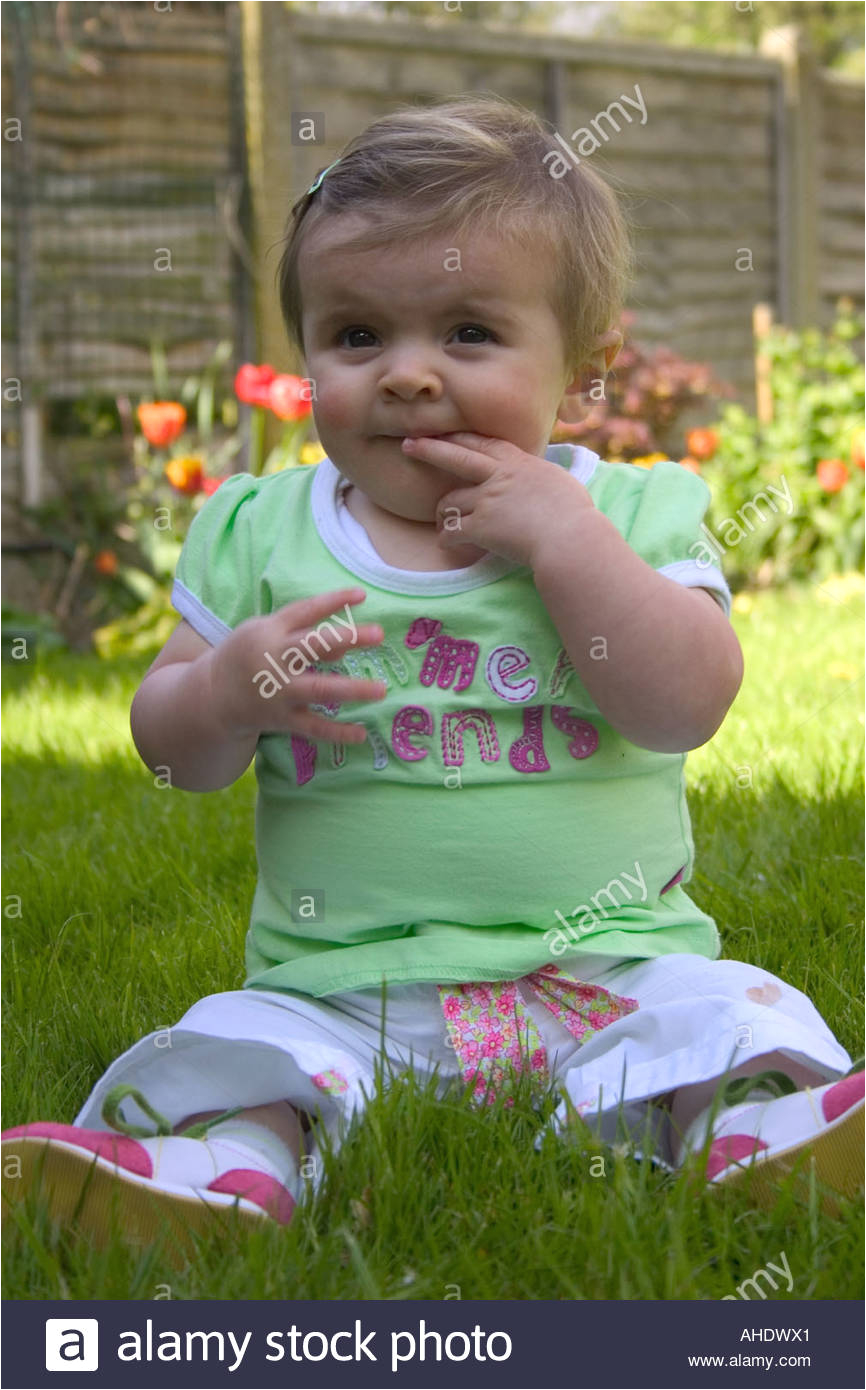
(835,1155)
(106,1202)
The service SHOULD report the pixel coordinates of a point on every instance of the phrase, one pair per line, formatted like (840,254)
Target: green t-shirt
(493,821)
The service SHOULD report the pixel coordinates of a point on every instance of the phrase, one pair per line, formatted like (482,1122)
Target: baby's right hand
(238,701)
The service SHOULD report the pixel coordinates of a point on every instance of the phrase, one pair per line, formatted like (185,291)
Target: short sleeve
(214,585)
(668,531)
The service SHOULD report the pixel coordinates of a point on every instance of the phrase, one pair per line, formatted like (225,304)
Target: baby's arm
(670,664)
(172,719)
(199,710)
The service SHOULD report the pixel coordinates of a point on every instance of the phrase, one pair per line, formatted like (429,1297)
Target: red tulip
(832,474)
(161,421)
(252,384)
(210,485)
(288,397)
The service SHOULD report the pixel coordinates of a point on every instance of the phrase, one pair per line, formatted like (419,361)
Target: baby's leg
(278,1116)
(259,1153)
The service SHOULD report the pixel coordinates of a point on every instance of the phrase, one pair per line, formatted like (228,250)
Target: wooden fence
(744,182)
(122,183)
(143,127)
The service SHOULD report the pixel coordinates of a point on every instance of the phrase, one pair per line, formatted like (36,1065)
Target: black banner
(631,1345)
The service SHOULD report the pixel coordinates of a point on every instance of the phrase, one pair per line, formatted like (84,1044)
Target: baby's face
(425,338)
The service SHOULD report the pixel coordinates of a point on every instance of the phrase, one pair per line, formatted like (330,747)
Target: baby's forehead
(378,235)
(483,259)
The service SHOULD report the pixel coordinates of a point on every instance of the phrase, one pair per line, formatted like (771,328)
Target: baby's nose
(410,375)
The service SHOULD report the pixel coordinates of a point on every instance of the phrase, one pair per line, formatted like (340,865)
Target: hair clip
(320,177)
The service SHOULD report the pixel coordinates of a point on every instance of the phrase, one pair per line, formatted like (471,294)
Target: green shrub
(788,494)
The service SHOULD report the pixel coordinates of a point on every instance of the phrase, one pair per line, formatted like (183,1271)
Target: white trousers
(691,1021)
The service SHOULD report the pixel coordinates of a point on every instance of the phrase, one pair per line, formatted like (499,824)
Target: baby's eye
(351,332)
(473,328)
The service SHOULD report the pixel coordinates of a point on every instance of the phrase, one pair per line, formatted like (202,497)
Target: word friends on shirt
(451,663)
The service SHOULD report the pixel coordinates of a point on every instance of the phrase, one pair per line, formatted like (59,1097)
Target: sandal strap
(112,1116)
(200,1130)
(739,1090)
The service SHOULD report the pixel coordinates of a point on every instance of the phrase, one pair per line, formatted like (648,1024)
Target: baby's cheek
(335,408)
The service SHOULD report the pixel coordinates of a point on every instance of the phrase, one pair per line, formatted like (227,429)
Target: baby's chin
(411,503)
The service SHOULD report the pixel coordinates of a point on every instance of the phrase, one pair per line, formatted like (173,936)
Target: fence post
(762,322)
(797,184)
(266,42)
(29,353)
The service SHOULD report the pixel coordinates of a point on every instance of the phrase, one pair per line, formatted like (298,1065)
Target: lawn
(125,902)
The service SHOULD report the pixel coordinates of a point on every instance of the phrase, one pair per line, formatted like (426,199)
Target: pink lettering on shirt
(584,739)
(411,719)
(421,631)
(444,655)
(527,752)
(304,754)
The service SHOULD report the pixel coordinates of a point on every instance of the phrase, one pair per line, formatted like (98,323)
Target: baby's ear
(607,348)
(586,386)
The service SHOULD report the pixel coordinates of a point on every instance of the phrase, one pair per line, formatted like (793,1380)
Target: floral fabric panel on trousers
(492,1031)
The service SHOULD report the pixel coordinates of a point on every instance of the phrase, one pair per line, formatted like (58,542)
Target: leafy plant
(123,527)
(811,451)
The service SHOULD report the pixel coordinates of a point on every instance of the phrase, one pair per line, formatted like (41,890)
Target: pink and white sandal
(85,1173)
(764,1139)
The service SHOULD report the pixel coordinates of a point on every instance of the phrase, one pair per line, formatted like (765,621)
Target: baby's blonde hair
(475,162)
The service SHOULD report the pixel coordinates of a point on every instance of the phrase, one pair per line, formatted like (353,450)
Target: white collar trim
(326,484)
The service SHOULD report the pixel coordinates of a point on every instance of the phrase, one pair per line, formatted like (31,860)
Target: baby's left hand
(514,503)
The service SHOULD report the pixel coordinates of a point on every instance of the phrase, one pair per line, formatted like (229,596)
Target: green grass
(124,903)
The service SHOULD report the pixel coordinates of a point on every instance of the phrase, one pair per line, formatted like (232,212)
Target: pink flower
(450,1006)
(492,1045)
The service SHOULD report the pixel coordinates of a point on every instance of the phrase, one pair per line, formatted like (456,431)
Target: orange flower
(161,421)
(105,561)
(691,464)
(186,474)
(702,443)
(832,474)
(288,397)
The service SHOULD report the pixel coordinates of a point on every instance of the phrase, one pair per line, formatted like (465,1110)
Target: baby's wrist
(559,537)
